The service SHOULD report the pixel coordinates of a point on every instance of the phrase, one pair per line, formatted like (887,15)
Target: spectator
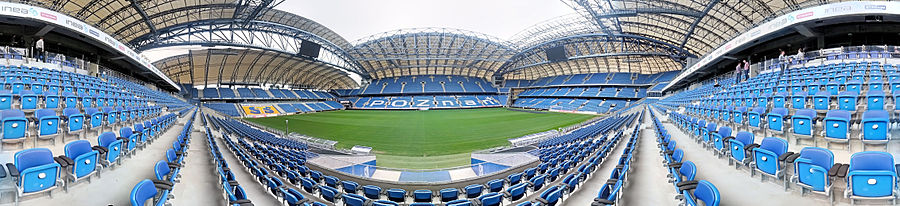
(799,54)
(746,70)
(737,73)
(39,48)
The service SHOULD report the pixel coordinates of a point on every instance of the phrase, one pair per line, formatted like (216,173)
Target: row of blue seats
(167,171)
(592,130)
(36,171)
(682,173)
(414,102)
(259,93)
(310,106)
(234,193)
(870,174)
(429,84)
(611,192)
(572,104)
(594,78)
(31,100)
(615,92)
(47,124)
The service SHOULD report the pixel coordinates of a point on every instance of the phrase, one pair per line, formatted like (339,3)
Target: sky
(355,19)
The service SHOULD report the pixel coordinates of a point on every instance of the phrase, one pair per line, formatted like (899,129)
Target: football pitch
(436,138)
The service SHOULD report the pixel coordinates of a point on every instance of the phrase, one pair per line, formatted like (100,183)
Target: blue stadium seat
(371,191)
(15,126)
(449,194)
(803,125)
(80,161)
(34,171)
(704,192)
(396,195)
(872,175)
(811,170)
(490,199)
(110,148)
(47,125)
(875,126)
(768,159)
(837,127)
(422,195)
(739,148)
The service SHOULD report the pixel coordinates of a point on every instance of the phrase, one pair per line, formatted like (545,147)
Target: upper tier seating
(424,84)
(594,79)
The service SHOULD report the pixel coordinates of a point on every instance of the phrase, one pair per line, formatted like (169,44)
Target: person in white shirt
(39,47)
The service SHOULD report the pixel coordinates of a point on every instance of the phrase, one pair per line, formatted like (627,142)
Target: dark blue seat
(473,191)
(372,191)
(449,194)
(349,186)
(83,160)
(705,192)
(396,195)
(811,170)
(490,199)
(111,148)
(551,196)
(34,171)
(517,191)
(144,191)
(767,157)
(738,148)
(422,195)
(74,122)
(495,185)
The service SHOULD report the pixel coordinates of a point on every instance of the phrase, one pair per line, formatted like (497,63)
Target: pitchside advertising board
(260,110)
(791,19)
(61,20)
(430,103)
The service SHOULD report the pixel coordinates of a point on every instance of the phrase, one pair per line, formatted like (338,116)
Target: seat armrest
(897,166)
(161,182)
(784,156)
(174,165)
(688,187)
(102,149)
(61,162)
(675,165)
(124,139)
(239,202)
(725,140)
(598,201)
(670,152)
(611,181)
(834,169)
(68,160)
(750,147)
(13,172)
(162,186)
(542,201)
(843,171)
(792,158)
(685,183)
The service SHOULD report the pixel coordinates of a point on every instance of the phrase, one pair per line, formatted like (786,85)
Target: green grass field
(396,136)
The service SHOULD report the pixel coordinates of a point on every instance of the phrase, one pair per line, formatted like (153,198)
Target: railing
(480,169)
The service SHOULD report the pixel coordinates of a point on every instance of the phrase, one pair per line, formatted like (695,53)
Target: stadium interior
(619,102)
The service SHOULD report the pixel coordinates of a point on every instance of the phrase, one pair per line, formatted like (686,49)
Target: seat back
(837,124)
(768,152)
(688,171)
(875,125)
(812,167)
(707,193)
(14,124)
(872,174)
(802,121)
(143,191)
(84,157)
(37,169)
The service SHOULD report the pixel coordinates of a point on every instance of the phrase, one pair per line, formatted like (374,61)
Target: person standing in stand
(746,70)
(781,61)
(737,73)
(39,49)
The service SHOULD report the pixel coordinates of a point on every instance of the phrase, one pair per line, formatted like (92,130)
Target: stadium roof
(642,36)
(431,51)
